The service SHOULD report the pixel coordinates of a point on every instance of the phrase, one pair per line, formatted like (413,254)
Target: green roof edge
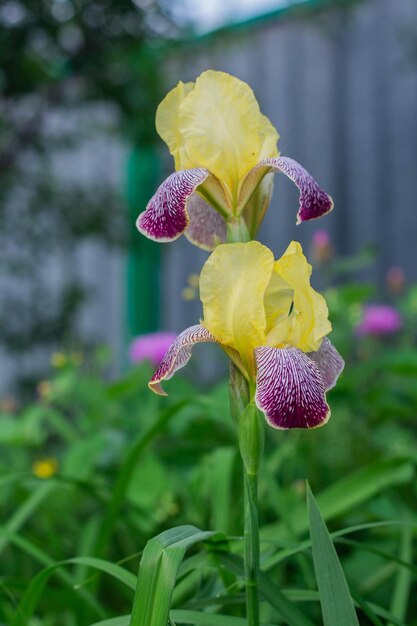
(258,20)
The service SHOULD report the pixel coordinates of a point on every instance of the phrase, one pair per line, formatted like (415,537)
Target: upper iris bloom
(225,152)
(273,326)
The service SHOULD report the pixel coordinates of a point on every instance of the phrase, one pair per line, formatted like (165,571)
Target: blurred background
(91,462)
(79,156)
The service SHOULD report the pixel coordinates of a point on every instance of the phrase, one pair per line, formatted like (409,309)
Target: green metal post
(144,259)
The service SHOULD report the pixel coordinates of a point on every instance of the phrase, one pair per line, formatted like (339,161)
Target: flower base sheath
(272,324)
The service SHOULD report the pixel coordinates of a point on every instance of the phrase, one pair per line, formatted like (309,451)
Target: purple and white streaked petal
(289,389)
(165,217)
(178,355)
(313,202)
(207,227)
(329,362)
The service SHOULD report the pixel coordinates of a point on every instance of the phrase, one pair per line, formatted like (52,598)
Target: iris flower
(272,325)
(225,152)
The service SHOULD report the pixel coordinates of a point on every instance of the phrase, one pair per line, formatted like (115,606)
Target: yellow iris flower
(273,326)
(225,152)
(250,300)
(216,123)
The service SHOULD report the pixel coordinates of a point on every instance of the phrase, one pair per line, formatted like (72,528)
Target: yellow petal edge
(216,123)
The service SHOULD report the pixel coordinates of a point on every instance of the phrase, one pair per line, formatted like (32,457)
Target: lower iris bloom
(272,324)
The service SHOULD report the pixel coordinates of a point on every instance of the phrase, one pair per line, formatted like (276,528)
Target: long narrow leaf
(26,510)
(186,617)
(335,599)
(158,571)
(125,474)
(42,557)
(346,494)
(404,577)
(304,545)
(34,591)
(270,592)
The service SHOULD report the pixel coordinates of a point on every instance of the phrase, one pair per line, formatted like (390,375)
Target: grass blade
(125,474)
(195,618)
(34,591)
(270,592)
(26,511)
(336,602)
(158,571)
(346,494)
(403,582)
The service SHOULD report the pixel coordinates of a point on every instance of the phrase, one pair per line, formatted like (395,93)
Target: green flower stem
(237,231)
(250,428)
(251,540)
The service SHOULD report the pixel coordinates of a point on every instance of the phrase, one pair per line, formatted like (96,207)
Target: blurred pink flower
(321,239)
(322,249)
(395,279)
(379,320)
(151,347)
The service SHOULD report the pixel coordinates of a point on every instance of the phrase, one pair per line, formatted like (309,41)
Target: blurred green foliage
(132,464)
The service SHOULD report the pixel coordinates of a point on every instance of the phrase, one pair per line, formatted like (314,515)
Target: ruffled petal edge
(329,362)
(165,217)
(178,355)
(314,202)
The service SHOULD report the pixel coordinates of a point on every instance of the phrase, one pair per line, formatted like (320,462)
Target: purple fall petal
(207,228)
(178,355)
(329,362)
(289,389)
(314,202)
(165,217)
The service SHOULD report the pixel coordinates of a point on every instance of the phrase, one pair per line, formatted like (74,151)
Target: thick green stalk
(250,427)
(237,231)
(251,539)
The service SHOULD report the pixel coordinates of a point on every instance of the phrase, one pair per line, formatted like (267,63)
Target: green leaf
(404,577)
(274,596)
(158,571)
(34,591)
(195,618)
(122,620)
(222,463)
(336,602)
(42,557)
(346,494)
(126,473)
(26,510)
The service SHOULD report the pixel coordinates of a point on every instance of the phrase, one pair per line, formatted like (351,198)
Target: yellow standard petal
(216,123)
(307,322)
(168,126)
(232,289)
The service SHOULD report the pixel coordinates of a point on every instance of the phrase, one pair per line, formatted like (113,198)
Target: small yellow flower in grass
(191,291)
(194,280)
(44,388)
(45,468)
(59,359)
(188,294)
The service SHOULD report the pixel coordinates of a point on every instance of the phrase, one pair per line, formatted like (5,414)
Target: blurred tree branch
(60,60)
